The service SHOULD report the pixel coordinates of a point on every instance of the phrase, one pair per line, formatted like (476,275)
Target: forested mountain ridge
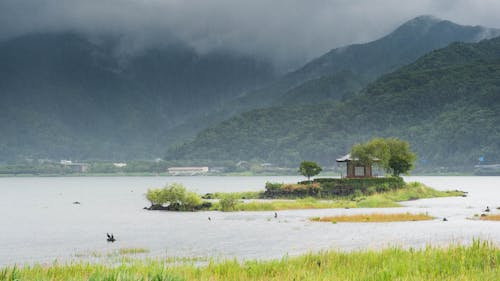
(343,72)
(63,95)
(366,62)
(447,104)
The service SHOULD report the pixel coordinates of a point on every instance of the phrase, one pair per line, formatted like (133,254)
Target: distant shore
(246,174)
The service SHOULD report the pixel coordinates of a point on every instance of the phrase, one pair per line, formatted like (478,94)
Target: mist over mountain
(343,72)
(346,70)
(446,104)
(66,96)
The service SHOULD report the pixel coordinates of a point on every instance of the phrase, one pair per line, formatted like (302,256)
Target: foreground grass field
(477,262)
(375,217)
(411,191)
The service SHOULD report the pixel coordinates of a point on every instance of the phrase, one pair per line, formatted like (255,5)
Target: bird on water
(111,238)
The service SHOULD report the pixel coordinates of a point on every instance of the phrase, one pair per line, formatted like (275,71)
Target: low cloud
(287,31)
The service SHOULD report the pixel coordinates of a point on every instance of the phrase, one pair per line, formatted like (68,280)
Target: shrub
(175,197)
(228,203)
(292,190)
(273,186)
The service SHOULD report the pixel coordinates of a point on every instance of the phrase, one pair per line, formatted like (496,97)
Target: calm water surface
(39,223)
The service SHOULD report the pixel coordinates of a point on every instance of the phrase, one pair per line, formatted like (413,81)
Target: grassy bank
(410,191)
(375,217)
(477,262)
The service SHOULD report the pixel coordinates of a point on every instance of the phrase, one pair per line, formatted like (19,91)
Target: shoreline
(212,175)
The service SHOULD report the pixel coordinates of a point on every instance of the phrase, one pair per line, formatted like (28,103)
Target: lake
(39,222)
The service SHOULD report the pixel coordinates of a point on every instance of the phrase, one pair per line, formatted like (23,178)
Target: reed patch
(490,218)
(375,217)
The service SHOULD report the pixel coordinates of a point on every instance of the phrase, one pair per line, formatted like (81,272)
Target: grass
(132,251)
(375,217)
(239,195)
(478,262)
(411,191)
(491,218)
(117,253)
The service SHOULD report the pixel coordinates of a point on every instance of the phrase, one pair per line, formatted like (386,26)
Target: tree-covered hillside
(63,95)
(343,72)
(446,105)
(367,61)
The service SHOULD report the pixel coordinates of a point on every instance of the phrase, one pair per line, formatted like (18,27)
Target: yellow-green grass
(477,262)
(411,191)
(239,195)
(491,218)
(375,217)
(132,251)
(416,190)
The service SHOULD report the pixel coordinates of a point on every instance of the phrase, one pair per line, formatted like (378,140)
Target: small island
(358,189)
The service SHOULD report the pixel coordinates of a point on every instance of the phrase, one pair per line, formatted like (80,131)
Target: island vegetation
(309,169)
(392,154)
(313,195)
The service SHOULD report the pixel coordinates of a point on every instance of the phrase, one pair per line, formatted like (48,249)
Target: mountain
(365,62)
(446,103)
(343,72)
(64,95)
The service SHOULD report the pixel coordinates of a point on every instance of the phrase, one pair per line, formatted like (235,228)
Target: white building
(187,171)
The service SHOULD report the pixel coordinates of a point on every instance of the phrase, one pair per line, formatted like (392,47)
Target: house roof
(345,158)
(348,157)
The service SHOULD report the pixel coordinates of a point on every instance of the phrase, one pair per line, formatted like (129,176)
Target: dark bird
(275,215)
(319,263)
(209,219)
(111,238)
(487,209)
(76,203)
(445,219)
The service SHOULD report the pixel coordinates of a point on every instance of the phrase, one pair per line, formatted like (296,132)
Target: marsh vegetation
(476,262)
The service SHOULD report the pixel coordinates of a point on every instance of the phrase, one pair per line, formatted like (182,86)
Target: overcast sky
(289,31)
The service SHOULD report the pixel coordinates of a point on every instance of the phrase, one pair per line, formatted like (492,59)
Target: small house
(355,169)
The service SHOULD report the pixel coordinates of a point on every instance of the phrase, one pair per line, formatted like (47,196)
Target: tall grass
(477,262)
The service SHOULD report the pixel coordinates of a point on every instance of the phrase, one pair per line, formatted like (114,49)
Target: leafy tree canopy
(309,169)
(393,154)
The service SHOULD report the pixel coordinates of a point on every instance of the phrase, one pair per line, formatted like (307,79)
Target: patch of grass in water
(375,217)
(490,218)
(132,251)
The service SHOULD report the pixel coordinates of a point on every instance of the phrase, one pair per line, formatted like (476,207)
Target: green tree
(402,158)
(393,154)
(309,169)
(174,194)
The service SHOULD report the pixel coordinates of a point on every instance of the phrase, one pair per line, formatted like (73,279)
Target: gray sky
(289,31)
